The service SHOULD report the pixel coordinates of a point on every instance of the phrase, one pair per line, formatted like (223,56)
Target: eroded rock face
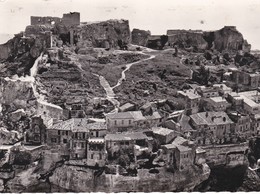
(107,34)
(227,38)
(140,37)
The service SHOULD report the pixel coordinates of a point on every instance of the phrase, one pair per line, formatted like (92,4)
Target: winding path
(110,90)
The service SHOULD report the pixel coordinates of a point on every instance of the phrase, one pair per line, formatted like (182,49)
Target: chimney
(213,119)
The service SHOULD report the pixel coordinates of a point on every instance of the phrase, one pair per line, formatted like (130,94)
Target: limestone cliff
(79,179)
(227,38)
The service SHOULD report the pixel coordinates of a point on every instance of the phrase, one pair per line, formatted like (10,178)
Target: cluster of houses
(99,142)
(212,115)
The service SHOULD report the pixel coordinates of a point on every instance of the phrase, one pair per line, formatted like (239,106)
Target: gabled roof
(125,136)
(162,131)
(211,118)
(135,115)
(155,115)
(79,125)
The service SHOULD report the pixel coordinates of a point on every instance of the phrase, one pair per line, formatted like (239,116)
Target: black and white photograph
(129,96)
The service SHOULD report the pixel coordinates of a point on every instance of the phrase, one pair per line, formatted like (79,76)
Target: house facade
(212,127)
(192,100)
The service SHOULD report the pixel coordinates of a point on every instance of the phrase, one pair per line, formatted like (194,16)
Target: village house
(191,99)
(163,135)
(251,102)
(132,120)
(208,92)
(223,88)
(200,156)
(246,77)
(256,123)
(36,135)
(127,107)
(216,104)
(212,127)
(120,142)
(180,154)
(243,128)
(181,125)
(237,102)
(74,133)
(96,152)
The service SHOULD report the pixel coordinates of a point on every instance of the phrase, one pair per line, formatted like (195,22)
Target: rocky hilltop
(226,39)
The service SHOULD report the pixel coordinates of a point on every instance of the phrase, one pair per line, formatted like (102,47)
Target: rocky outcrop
(79,179)
(107,34)
(227,38)
(19,53)
(140,37)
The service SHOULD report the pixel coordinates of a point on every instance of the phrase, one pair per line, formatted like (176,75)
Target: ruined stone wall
(71,19)
(36,20)
(140,37)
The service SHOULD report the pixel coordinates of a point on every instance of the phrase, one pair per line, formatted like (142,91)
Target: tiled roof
(190,94)
(183,148)
(79,125)
(179,140)
(136,115)
(211,118)
(218,99)
(162,130)
(155,115)
(125,136)
(126,106)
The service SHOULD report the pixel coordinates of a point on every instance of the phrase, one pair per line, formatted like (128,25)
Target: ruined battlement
(68,19)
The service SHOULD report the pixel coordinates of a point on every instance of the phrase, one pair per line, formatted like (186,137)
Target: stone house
(163,135)
(212,127)
(116,143)
(124,121)
(236,100)
(256,123)
(216,104)
(246,78)
(208,92)
(223,88)
(96,152)
(127,107)
(191,99)
(74,134)
(180,154)
(36,135)
(243,128)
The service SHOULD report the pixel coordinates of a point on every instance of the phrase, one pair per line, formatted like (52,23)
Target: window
(121,143)
(92,156)
(74,144)
(82,145)
(53,140)
(84,135)
(67,132)
(130,122)
(58,132)
(65,140)
(115,123)
(100,156)
(122,122)
(76,135)
(63,132)
(127,143)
